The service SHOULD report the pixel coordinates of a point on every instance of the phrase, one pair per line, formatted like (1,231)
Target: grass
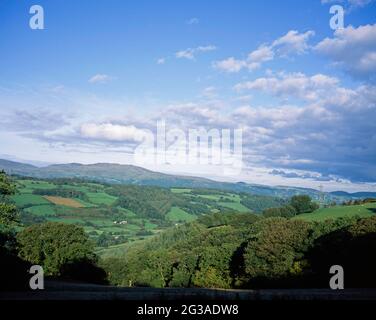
(181,190)
(65,202)
(42,210)
(235,206)
(29,199)
(178,215)
(67,220)
(27,186)
(100,198)
(363,211)
(150,226)
(221,197)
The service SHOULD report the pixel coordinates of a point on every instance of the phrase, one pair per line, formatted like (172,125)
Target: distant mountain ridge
(363,194)
(130,174)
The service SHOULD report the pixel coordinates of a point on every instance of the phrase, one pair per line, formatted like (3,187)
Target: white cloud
(230,65)
(263,53)
(111,132)
(258,56)
(296,85)
(353,49)
(292,42)
(191,52)
(100,78)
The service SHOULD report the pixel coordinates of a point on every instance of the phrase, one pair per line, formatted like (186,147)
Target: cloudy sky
(83,89)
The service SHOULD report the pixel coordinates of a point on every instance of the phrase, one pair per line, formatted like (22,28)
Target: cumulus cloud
(295,85)
(352,49)
(302,175)
(314,124)
(111,132)
(230,65)
(292,42)
(331,132)
(100,78)
(191,52)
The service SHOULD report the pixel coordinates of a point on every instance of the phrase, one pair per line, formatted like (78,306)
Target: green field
(178,215)
(97,217)
(363,211)
(235,206)
(29,199)
(43,210)
(101,198)
(180,190)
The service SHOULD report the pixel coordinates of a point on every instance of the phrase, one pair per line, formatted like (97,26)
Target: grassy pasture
(42,210)
(28,199)
(27,186)
(363,211)
(178,215)
(100,198)
(235,206)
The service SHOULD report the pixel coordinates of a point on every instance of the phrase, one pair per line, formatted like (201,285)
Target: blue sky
(303,93)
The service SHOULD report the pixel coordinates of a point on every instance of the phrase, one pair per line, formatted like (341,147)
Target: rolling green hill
(128,174)
(363,211)
(113,214)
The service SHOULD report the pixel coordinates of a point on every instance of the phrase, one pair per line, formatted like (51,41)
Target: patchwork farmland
(117,215)
(114,215)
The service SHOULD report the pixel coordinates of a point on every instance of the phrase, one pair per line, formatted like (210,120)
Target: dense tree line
(259,203)
(297,205)
(357,202)
(265,252)
(62,192)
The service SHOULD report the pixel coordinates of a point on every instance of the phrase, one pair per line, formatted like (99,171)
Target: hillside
(191,238)
(113,214)
(362,211)
(129,174)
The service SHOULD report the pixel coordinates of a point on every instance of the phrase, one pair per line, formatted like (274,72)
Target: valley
(153,236)
(117,214)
